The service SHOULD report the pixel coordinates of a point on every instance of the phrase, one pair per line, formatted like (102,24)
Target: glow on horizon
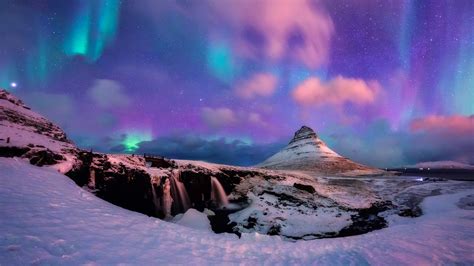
(131,140)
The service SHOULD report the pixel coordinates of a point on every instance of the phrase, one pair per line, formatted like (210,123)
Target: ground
(47,219)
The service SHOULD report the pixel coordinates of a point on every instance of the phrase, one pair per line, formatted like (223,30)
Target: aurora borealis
(385,83)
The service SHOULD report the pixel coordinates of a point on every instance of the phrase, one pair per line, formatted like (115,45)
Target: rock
(7,151)
(274,230)
(307,188)
(44,157)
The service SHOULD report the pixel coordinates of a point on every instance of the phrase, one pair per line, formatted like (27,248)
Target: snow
(29,129)
(193,219)
(293,221)
(46,219)
(209,166)
(307,152)
(21,136)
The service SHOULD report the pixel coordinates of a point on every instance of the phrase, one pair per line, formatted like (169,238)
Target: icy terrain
(47,219)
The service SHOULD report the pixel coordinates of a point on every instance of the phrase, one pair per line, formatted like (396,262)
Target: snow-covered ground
(46,219)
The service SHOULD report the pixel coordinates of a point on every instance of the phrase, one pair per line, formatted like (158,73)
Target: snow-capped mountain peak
(306,151)
(304,133)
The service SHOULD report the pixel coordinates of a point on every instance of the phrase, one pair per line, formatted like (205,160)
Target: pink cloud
(261,84)
(218,117)
(456,124)
(336,92)
(297,30)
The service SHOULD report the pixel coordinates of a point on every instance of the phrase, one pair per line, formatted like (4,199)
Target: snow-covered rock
(24,133)
(307,152)
(46,219)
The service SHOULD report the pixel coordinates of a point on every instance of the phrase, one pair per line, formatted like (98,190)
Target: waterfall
(218,193)
(154,199)
(167,200)
(91,183)
(181,201)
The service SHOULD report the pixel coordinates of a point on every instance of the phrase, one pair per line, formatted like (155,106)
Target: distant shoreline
(447,173)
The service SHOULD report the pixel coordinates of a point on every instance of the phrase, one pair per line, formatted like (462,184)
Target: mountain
(307,152)
(239,200)
(32,136)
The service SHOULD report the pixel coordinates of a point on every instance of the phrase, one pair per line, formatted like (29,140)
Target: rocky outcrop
(14,111)
(307,188)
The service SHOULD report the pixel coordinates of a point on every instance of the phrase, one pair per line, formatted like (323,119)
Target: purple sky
(383,82)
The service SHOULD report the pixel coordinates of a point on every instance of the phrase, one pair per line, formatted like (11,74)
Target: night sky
(384,82)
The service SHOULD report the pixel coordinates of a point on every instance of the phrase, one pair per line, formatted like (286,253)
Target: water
(181,201)
(155,199)
(218,193)
(167,199)
(92,179)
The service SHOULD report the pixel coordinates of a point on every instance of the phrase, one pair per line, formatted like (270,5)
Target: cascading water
(218,194)
(155,199)
(91,183)
(167,199)
(181,201)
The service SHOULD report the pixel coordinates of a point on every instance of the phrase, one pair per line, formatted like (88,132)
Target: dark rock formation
(307,188)
(44,157)
(367,220)
(7,151)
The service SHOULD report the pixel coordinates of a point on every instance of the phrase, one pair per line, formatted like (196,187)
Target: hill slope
(307,152)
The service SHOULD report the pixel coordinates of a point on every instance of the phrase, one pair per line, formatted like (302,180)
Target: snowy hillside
(46,219)
(30,135)
(307,152)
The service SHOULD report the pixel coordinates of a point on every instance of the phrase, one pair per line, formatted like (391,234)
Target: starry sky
(384,82)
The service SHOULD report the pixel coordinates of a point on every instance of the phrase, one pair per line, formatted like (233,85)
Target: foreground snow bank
(45,218)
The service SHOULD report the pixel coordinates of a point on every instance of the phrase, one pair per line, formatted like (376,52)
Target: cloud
(427,139)
(218,117)
(445,125)
(282,30)
(335,92)
(57,107)
(108,94)
(255,118)
(261,84)
(442,138)
(219,150)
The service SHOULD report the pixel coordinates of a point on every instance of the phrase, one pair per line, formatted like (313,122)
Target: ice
(46,219)
(193,219)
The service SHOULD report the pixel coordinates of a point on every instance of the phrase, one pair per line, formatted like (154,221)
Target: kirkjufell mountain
(290,196)
(241,199)
(307,152)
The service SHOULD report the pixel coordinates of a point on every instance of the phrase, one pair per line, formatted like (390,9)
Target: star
(13,84)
